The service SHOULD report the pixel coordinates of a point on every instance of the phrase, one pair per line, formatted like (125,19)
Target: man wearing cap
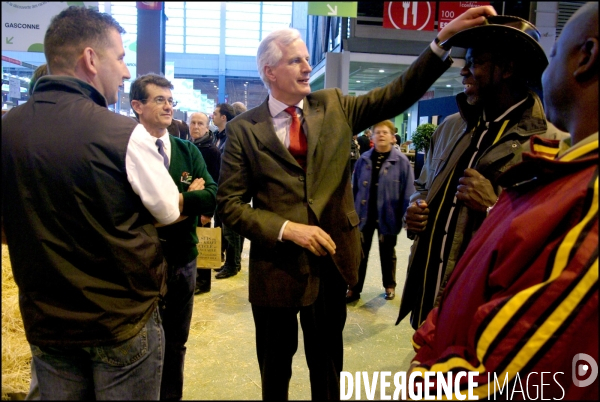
(499,115)
(521,307)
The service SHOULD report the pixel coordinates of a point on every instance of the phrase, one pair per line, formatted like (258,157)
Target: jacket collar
(393,157)
(313,121)
(535,168)
(533,120)
(64,83)
(219,135)
(205,141)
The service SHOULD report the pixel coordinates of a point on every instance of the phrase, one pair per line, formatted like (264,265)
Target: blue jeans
(129,370)
(177,318)
(233,257)
(34,389)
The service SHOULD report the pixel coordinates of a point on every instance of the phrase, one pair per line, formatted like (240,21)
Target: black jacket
(84,252)
(211,155)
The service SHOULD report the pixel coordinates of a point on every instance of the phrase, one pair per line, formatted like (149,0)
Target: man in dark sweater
(153,103)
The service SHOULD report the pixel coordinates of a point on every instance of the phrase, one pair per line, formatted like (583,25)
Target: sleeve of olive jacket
(329,115)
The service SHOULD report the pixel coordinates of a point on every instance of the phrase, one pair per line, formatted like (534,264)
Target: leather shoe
(351,296)
(390,293)
(225,273)
(199,291)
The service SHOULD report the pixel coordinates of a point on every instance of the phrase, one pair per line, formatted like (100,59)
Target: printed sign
(209,247)
(24,23)
(333,8)
(412,15)
(449,10)
(14,85)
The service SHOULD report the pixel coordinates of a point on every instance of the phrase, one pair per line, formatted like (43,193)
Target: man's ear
(587,60)
(89,61)
(137,106)
(269,74)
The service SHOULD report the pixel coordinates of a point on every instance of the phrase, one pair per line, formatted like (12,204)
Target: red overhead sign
(449,10)
(412,15)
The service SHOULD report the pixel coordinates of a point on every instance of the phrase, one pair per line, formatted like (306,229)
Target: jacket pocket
(353,218)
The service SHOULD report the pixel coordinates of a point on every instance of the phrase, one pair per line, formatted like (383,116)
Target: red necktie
(298,145)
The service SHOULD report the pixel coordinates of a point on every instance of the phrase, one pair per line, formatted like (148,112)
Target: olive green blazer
(257,168)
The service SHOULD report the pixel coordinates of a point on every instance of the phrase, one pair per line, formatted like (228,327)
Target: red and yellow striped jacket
(523,299)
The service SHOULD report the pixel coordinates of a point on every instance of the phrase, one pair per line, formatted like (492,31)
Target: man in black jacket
(364,141)
(78,208)
(179,129)
(223,114)
(203,139)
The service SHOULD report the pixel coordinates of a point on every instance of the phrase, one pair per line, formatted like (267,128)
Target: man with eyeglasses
(152,103)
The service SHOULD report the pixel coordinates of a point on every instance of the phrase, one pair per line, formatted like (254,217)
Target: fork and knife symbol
(406,5)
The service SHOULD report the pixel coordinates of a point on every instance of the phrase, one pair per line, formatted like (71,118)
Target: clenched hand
(416,216)
(476,191)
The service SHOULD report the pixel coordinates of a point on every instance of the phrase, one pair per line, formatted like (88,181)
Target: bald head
(585,20)
(571,80)
(198,125)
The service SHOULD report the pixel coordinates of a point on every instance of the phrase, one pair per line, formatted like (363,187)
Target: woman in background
(382,183)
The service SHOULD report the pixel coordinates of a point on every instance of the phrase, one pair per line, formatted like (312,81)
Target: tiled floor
(221,357)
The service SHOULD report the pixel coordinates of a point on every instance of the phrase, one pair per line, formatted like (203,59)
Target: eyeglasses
(160,100)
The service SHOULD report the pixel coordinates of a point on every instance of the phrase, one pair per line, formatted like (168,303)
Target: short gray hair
(239,107)
(192,115)
(269,53)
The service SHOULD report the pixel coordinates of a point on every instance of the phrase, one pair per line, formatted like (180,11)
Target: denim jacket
(396,185)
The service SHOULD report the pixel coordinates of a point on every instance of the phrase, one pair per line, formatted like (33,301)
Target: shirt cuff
(441,53)
(280,237)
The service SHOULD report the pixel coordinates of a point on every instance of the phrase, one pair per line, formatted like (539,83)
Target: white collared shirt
(148,177)
(282,120)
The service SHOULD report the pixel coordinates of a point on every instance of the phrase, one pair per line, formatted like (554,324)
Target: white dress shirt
(148,177)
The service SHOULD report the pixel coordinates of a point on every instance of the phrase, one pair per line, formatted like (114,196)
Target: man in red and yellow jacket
(521,308)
